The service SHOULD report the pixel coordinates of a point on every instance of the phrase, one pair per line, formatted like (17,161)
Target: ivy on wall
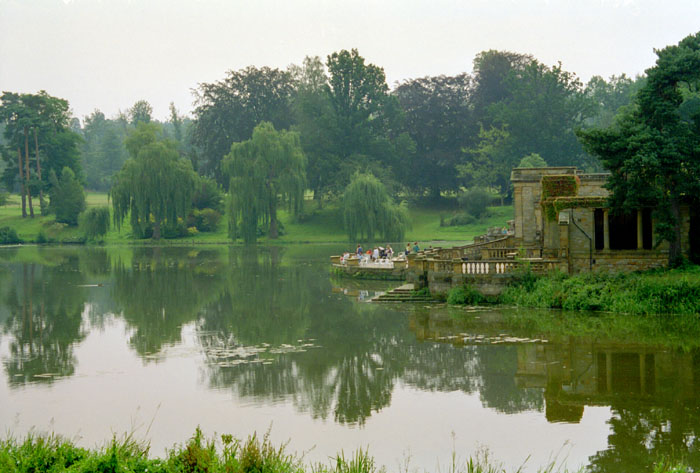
(559,185)
(553,206)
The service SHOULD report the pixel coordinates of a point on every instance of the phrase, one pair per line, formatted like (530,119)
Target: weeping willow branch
(268,167)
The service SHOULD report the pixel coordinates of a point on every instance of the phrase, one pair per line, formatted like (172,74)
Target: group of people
(379,253)
(415,248)
(375,254)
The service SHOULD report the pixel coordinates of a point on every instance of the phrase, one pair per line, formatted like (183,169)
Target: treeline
(425,138)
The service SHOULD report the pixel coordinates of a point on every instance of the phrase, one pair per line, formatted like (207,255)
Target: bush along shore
(675,291)
(52,453)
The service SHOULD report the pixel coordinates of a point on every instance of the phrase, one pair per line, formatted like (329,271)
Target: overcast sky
(108,54)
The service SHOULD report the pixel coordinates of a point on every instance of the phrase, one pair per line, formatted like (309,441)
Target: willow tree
(369,211)
(155,186)
(263,170)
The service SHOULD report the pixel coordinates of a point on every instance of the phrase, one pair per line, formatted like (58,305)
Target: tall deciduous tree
(38,126)
(314,120)
(155,186)
(269,166)
(140,112)
(653,150)
(369,211)
(438,117)
(227,111)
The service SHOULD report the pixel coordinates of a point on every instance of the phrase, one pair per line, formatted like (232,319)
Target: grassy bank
(317,226)
(39,454)
(674,291)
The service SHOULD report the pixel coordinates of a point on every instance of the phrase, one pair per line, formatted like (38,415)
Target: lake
(96,342)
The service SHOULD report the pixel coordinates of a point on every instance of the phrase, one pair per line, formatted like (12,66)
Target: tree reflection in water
(273,330)
(44,305)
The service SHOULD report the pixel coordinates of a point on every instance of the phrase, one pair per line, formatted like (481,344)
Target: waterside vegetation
(661,291)
(52,453)
(316,225)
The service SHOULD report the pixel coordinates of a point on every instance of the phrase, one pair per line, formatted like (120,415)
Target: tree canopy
(227,111)
(653,148)
(67,197)
(38,136)
(369,211)
(261,170)
(155,186)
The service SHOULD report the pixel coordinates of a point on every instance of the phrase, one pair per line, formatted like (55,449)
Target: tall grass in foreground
(52,453)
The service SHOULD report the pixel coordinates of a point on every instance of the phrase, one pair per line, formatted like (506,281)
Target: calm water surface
(158,341)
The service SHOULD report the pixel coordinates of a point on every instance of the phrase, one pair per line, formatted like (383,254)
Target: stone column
(640,237)
(606,230)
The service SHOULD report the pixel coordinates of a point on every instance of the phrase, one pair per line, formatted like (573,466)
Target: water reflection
(158,290)
(271,327)
(43,305)
(652,389)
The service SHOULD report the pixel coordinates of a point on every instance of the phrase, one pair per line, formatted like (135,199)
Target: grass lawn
(318,226)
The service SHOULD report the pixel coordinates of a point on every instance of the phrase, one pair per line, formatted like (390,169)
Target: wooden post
(640,234)
(606,229)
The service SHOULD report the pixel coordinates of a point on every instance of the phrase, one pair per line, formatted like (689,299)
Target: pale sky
(107,54)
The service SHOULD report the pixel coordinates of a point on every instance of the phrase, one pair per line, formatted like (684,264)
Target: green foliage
(464,295)
(438,118)
(463,218)
(95,222)
(208,195)
(654,292)
(46,119)
(532,160)
(553,206)
(103,150)
(4,197)
(51,453)
(269,165)
(475,201)
(198,456)
(155,186)
(369,212)
(227,111)
(652,150)
(609,97)
(205,220)
(67,197)
(560,185)
(360,462)
(8,236)
(140,112)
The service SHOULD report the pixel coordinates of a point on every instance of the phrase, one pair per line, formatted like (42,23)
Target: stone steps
(402,294)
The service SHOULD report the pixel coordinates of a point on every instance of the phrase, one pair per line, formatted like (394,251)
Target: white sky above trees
(108,54)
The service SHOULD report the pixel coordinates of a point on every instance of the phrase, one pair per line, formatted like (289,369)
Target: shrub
(205,220)
(475,201)
(3,198)
(41,238)
(464,295)
(8,236)
(458,219)
(208,195)
(67,197)
(532,160)
(95,222)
